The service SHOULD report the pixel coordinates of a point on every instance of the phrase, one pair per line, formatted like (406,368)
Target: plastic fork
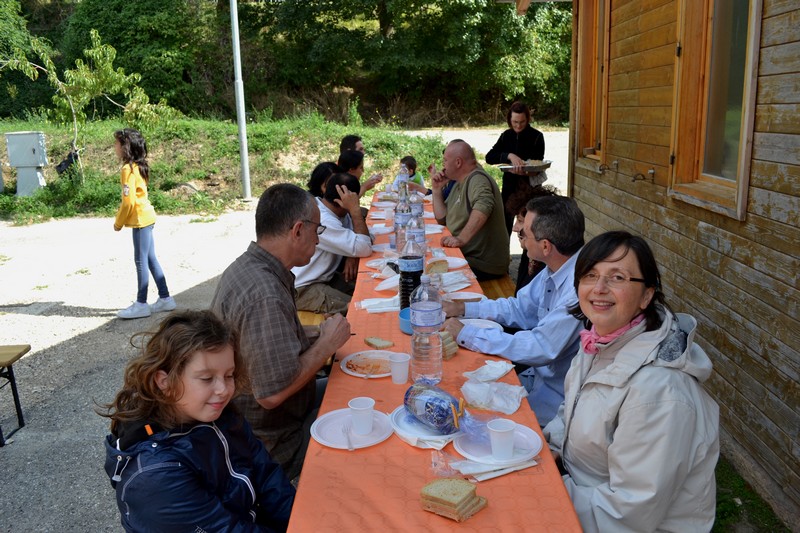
(346,432)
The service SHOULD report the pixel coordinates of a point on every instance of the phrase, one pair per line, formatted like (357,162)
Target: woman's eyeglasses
(614,280)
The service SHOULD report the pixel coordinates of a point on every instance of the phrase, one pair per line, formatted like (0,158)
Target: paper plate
(383,204)
(327,430)
(481,323)
(455,262)
(380,229)
(380,248)
(466,296)
(377,215)
(389,284)
(527,444)
(357,364)
(409,429)
(428,214)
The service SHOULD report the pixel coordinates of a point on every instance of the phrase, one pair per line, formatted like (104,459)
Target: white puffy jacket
(640,437)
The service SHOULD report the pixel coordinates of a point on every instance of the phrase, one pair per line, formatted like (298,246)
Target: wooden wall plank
(642,97)
(644,133)
(779,29)
(777,147)
(637,17)
(779,89)
(778,7)
(775,177)
(647,153)
(657,57)
(780,59)
(654,116)
(643,41)
(774,205)
(778,118)
(662,76)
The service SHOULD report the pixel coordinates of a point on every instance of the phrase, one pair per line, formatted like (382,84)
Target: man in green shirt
(473,212)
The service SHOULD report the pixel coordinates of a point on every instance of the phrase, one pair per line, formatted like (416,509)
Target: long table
(378,488)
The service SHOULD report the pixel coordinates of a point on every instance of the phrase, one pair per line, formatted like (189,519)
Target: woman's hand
(518,163)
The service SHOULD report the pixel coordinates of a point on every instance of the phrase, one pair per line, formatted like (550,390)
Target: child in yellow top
(135,211)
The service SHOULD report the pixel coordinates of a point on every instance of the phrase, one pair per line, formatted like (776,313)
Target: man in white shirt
(320,287)
(549,335)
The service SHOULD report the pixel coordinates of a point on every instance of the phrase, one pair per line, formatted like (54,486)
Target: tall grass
(195,166)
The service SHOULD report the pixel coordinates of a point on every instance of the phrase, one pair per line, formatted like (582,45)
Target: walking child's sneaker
(135,310)
(163,304)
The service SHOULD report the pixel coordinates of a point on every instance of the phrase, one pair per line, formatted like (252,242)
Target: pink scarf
(590,338)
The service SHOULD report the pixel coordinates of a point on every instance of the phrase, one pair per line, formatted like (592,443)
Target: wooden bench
(8,356)
(498,288)
(309,318)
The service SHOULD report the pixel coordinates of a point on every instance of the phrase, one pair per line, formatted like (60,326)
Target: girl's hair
(518,107)
(134,150)
(603,247)
(320,175)
(170,348)
(350,160)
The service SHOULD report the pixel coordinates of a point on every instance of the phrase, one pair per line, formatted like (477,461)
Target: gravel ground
(62,283)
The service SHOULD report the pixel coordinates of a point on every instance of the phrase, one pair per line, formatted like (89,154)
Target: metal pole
(239,90)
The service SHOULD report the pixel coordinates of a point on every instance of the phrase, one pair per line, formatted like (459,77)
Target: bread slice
(436,266)
(475,506)
(449,346)
(449,492)
(378,343)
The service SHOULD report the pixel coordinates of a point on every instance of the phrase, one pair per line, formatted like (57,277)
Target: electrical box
(27,152)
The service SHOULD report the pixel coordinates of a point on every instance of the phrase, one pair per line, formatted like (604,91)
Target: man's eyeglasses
(320,228)
(614,280)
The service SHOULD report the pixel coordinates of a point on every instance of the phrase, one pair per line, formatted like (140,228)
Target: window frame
(690,109)
(592,82)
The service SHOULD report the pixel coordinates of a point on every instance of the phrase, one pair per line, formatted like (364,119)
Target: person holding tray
(517,144)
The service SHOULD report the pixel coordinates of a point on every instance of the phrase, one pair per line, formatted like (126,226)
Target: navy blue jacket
(206,477)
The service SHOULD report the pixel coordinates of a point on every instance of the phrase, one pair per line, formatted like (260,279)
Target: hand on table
(451,242)
(454,326)
(453,308)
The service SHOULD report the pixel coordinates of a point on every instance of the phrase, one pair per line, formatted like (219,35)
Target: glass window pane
(726,88)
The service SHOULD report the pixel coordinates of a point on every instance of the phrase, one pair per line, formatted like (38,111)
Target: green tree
(163,40)
(475,53)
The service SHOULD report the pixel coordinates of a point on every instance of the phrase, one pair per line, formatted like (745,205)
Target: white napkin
(392,282)
(494,396)
(490,371)
(453,281)
(380,305)
(436,443)
(386,273)
(504,471)
(380,229)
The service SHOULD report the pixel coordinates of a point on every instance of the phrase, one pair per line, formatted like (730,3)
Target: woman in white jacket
(637,434)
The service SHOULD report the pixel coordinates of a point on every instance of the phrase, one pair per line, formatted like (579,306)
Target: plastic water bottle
(426,344)
(415,202)
(415,230)
(402,212)
(402,177)
(411,263)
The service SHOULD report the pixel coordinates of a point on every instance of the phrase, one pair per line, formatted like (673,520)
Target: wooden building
(685,128)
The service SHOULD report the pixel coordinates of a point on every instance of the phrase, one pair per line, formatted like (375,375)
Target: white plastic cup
(361,414)
(399,365)
(501,436)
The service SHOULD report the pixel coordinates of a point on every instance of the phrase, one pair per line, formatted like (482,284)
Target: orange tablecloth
(378,488)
